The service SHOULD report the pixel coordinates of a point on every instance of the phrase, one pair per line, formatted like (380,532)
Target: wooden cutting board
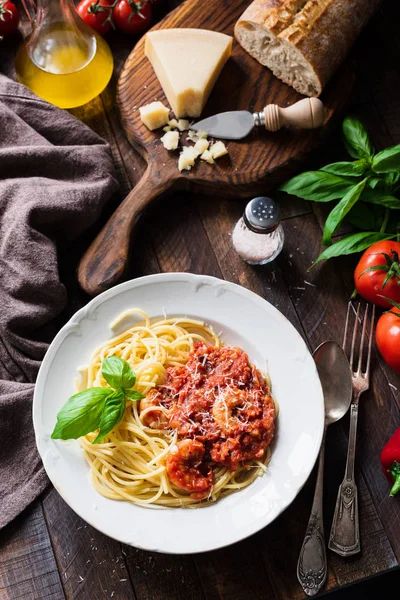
(254,165)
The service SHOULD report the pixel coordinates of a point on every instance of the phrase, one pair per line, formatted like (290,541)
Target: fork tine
(371,335)
(346,327)
(361,350)
(353,341)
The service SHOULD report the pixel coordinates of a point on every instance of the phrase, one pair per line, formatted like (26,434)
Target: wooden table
(49,552)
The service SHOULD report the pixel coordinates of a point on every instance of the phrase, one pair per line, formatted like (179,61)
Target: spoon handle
(312,565)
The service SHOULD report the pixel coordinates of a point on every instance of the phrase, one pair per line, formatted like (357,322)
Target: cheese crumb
(197,135)
(154,115)
(187,158)
(170,140)
(201,145)
(192,135)
(173,123)
(183,125)
(218,149)
(166,128)
(207,156)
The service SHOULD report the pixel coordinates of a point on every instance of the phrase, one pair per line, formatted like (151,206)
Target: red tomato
(96,14)
(388,337)
(9,17)
(378,264)
(133,16)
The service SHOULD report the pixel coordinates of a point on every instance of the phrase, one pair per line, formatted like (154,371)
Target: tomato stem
(4,10)
(395,473)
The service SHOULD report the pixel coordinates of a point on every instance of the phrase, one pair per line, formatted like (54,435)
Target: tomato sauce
(221,400)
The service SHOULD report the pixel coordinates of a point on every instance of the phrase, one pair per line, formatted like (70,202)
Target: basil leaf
(377,196)
(337,215)
(113,411)
(80,414)
(362,216)
(387,160)
(392,178)
(357,141)
(318,186)
(350,169)
(118,373)
(376,182)
(133,395)
(353,243)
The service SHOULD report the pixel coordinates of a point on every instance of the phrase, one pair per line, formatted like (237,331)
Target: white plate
(245,320)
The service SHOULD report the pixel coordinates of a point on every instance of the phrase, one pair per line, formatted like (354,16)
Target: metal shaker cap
(262,215)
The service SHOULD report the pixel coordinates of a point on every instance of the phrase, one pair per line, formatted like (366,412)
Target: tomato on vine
(97,14)
(388,336)
(133,16)
(9,17)
(377,274)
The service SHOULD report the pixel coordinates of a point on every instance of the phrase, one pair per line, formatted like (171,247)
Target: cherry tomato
(378,273)
(9,17)
(388,337)
(96,14)
(133,16)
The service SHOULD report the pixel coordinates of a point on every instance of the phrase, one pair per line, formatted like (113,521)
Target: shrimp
(156,417)
(187,470)
(222,410)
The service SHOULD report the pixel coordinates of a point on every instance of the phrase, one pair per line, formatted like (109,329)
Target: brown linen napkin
(55,177)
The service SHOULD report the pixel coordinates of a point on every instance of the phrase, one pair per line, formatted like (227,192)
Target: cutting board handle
(106,259)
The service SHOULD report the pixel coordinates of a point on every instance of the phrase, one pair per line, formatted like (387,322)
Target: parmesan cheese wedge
(187,63)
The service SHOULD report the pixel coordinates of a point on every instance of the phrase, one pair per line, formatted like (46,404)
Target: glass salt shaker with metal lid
(258,235)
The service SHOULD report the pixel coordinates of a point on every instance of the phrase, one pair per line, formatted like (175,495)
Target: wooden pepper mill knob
(305,114)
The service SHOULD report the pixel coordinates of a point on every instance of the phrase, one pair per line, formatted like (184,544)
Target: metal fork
(344,538)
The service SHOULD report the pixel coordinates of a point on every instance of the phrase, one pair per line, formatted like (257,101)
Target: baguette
(303,41)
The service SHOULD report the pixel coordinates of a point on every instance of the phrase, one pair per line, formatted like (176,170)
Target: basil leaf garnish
(347,169)
(99,407)
(378,196)
(387,160)
(357,141)
(118,373)
(133,395)
(81,414)
(353,243)
(341,209)
(113,411)
(317,186)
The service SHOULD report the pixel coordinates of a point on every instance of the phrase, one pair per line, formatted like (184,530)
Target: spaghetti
(136,461)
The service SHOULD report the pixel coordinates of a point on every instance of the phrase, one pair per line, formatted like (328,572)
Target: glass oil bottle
(63,60)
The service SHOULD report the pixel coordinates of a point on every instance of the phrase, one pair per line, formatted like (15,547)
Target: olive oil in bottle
(63,60)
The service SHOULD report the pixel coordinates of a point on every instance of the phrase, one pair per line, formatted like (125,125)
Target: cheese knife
(237,124)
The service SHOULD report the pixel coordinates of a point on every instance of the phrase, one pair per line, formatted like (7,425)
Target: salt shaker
(258,236)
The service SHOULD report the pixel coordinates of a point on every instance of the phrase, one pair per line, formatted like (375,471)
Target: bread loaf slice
(303,41)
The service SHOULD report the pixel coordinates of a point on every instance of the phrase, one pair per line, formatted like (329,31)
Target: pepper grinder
(258,235)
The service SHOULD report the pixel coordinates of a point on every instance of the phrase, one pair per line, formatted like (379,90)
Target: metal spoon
(334,372)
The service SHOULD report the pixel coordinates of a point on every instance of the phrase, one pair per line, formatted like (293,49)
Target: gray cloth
(55,177)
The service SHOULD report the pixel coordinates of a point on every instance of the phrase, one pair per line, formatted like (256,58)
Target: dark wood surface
(50,553)
(255,164)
